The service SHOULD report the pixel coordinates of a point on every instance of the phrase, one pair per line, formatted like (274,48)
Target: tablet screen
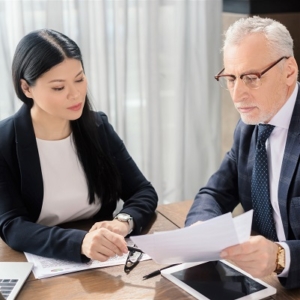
(217,280)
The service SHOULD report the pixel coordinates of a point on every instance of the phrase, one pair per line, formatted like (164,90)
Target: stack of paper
(200,242)
(48,267)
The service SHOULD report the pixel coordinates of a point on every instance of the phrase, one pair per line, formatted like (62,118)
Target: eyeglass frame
(127,268)
(258,74)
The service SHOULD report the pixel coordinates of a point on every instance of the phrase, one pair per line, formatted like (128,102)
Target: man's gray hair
(277,35)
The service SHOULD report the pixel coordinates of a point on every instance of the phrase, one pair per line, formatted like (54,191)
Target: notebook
(12,277)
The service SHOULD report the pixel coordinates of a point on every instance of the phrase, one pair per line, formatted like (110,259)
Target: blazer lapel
(289,163)
(29,163)
(252,150)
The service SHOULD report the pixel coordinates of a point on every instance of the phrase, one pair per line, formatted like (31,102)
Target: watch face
(123,217)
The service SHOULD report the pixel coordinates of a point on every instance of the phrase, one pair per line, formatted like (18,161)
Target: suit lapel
(29,163)
(289,163)
(252,150)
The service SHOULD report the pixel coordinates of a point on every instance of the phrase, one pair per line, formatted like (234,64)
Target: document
(200,242)
(48,267)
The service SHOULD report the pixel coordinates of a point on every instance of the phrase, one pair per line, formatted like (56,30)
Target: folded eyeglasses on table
(133,258)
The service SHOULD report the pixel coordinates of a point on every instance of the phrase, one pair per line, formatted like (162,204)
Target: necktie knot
(264,131)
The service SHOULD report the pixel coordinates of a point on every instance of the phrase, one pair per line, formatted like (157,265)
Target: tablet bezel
(168,273)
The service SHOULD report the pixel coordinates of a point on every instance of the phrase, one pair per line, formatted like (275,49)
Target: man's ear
(291,71)
(25,88)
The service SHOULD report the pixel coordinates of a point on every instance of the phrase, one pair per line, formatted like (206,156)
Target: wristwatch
(125,218)
(280,260)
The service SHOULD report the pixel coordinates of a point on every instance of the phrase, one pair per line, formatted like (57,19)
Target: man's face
(253,55)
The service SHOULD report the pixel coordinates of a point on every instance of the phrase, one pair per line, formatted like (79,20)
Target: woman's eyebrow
(61,80)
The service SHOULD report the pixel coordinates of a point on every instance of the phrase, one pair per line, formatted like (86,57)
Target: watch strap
(280,260)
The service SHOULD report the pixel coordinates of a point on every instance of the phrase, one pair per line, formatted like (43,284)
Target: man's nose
(238,91)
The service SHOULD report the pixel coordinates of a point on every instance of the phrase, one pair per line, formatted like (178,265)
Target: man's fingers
(197,223)
(246,248)
(256,256)
(232,251)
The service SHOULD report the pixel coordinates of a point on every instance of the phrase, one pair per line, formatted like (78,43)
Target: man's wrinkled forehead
(251,54)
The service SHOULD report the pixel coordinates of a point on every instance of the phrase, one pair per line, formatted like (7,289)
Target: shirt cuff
(286,269)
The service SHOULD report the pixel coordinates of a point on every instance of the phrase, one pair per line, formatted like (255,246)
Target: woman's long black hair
(37,53)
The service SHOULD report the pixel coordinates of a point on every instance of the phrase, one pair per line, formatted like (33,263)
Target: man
(260,73)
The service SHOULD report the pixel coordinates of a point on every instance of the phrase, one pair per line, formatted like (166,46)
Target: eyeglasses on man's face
(133,258)
(251,80)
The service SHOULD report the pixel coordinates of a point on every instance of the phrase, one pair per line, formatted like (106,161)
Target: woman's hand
(101,244)
(115,226)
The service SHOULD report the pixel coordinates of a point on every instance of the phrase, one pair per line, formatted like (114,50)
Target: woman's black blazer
(21,191)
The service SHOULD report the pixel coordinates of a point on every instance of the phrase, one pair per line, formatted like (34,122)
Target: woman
(62,162)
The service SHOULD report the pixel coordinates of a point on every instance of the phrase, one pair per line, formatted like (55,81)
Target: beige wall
(229,115)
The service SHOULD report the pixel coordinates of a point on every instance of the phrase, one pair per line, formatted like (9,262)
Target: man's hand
(115,226)
(101,244)
(256,256)
(197,223)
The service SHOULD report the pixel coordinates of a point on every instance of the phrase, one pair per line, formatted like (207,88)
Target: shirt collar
(283,117)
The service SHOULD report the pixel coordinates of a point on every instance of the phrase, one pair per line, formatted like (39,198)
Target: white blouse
(65,186)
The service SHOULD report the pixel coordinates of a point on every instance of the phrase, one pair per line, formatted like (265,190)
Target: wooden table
(176,213)
(112,282)
(103,283)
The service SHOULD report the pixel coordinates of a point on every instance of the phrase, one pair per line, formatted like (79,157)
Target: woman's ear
(25,88)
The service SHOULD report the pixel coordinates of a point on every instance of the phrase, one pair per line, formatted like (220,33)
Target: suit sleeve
(20,232)
(139,196)
(293,279)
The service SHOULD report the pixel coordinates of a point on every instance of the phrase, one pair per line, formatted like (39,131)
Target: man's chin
(249,121)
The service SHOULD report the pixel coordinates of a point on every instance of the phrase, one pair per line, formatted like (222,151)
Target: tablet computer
(215,280)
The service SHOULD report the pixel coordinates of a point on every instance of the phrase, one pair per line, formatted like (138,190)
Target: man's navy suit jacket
(231,185)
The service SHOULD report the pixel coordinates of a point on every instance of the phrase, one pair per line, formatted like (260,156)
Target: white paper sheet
(201,242)
(48,267)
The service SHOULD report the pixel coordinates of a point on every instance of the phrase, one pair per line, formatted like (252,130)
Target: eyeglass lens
(252,81)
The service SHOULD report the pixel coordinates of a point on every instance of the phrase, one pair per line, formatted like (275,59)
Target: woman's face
(60,92)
